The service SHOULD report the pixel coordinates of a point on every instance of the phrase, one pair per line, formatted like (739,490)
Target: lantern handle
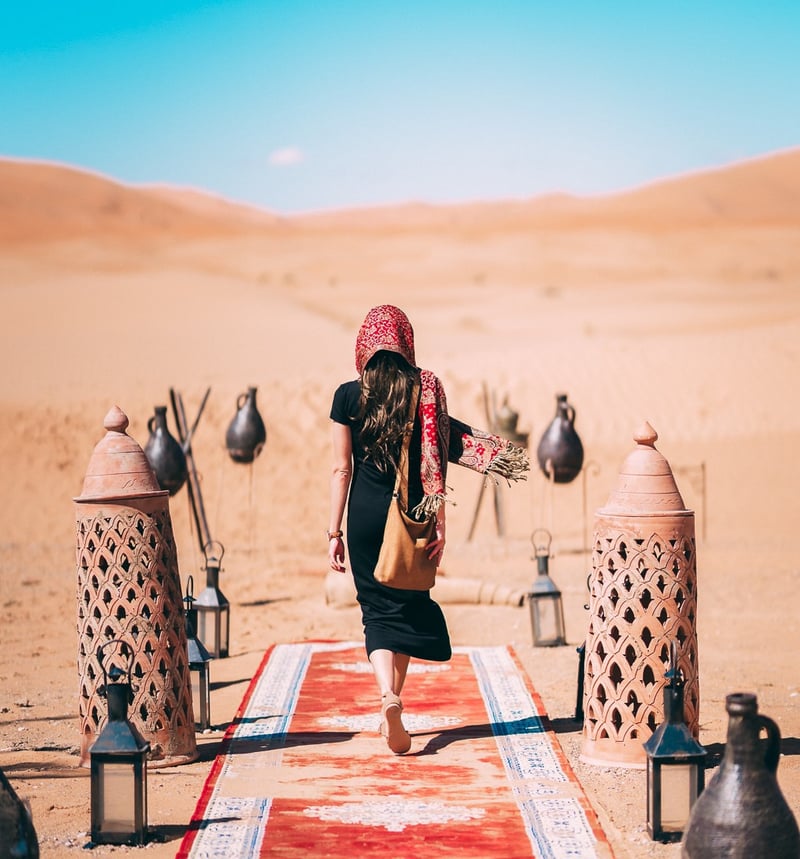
(100,658)
(207,551)
(545,546)
(674,673)
(189,597)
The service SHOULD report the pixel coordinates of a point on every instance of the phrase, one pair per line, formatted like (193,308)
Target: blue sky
(296,106)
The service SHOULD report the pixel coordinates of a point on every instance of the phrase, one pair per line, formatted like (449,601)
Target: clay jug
(506,420)
(560,452)
(742,812)
(246,433)
(17,835)
(165,455)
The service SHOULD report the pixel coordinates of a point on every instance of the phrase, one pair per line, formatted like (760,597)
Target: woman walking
(370,415)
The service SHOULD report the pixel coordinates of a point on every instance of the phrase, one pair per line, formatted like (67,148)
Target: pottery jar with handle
(164,453)
(560,451)
(742,813)
(246,434)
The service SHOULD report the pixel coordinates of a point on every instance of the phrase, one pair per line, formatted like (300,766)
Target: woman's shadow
(441,739)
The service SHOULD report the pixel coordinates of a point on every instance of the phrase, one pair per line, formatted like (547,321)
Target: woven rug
(303,771)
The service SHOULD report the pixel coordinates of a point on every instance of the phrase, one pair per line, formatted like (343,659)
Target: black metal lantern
(547,611)
(199,660)
(213,608)
(118,767)
(675,764)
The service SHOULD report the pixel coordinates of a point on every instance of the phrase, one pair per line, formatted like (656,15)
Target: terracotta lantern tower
(643,596)
(129,591)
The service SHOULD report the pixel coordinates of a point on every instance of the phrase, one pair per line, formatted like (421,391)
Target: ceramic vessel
(506,420)
(643,595)
(129,591)
(560,451)
(165,455)
(742,813)
(246,434)
(17,835)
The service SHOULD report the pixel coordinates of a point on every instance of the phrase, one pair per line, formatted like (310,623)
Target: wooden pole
(193,483)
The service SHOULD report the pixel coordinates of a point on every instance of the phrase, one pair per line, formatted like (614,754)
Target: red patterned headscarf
(387,328)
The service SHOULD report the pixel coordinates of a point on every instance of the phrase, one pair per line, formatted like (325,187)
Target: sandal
(397,738)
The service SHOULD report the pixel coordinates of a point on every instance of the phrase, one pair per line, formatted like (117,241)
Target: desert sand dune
(45,202)
(676,303)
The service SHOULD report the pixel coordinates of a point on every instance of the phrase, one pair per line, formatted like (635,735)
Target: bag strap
(401,481)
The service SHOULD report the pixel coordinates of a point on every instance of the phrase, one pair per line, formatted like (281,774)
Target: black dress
(408,622)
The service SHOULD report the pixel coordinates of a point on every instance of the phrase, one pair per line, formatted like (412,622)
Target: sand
(676,303)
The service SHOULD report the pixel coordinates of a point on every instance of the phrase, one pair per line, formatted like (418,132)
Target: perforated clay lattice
(128,591)
(643,595)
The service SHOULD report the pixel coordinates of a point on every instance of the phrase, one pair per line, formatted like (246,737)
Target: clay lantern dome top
(646,485)
(118,468)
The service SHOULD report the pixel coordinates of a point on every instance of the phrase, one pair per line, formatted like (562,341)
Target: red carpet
(303,771)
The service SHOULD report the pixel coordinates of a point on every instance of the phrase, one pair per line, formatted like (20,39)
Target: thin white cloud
(288,156)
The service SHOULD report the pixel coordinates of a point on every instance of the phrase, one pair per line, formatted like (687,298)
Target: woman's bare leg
(383,667)
(401,661)
(390,670)
(390,674)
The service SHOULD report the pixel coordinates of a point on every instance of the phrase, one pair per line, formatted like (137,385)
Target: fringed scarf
(444,439)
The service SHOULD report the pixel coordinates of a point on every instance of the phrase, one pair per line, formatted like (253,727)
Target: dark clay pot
(246,434)
(17,835)
(165,455)
(742,813)
(506,420)
(560,449)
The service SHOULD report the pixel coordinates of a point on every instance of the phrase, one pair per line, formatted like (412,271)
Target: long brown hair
(387,383)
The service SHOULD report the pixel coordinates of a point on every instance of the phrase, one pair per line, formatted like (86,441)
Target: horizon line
(398,204)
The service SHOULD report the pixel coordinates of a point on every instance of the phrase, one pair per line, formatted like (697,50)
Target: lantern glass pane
(117,789)
(196,696)
(207,629)
(545,616)
(201,700)
(678,793)
(223,630)
(545,622)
